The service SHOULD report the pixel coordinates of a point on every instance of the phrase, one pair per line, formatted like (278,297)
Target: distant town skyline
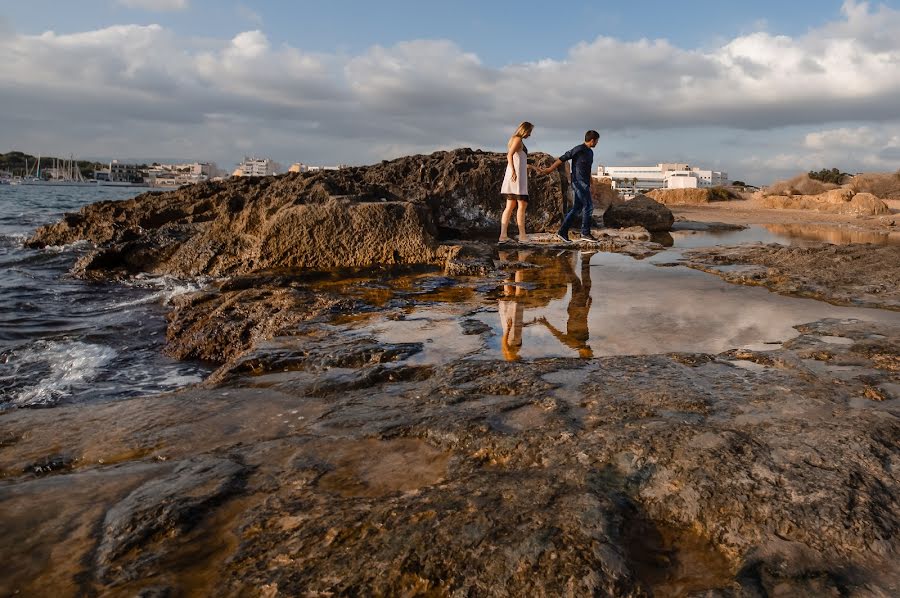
(761,91)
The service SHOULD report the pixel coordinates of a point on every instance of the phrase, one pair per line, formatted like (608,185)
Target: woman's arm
(514,146)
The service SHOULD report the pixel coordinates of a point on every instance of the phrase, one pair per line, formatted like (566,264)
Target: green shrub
(826,175)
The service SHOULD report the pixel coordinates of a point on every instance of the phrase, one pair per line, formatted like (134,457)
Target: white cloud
(863,148)
(136,82)
(845,137)
(155,5)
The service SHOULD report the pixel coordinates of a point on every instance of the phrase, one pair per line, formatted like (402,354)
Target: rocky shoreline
(320,459)
(862,275)
(337,468)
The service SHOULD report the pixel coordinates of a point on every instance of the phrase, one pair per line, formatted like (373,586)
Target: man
(582,157)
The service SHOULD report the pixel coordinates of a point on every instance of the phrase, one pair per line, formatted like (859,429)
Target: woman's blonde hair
(524,129)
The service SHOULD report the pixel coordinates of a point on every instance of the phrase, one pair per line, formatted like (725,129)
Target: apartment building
(669,175)
(257,167)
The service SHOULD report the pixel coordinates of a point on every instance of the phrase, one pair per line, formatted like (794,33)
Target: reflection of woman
(515,182)
(512,313)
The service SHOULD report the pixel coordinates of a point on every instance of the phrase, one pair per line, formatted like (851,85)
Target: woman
(515,182)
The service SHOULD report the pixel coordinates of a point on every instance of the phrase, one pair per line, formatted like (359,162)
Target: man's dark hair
(591,135)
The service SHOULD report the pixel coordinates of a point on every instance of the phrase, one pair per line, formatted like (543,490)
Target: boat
(65,174)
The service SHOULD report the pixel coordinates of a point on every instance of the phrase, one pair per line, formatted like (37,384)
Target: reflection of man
(512,312)
(577,334)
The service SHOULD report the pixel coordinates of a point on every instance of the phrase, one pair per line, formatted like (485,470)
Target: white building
(301,167)
(257,167)
(662,176)
(177,175)
(120,172)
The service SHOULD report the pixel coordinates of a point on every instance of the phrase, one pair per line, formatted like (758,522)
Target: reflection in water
(829,234)
(565,303)
(553,280)
(577,335)
(784,234)
(590,305)
(512,314)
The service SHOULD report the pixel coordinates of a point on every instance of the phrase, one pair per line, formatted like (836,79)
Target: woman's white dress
(520,185)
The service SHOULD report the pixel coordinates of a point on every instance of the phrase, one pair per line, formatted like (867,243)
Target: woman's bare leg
(520,220)
(504,220)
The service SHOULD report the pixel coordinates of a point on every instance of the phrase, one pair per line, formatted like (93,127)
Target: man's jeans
(583,205)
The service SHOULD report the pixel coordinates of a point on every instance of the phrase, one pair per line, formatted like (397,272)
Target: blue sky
(761,89)
(499,32)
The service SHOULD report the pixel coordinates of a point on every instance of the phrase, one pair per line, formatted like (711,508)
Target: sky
(762,90)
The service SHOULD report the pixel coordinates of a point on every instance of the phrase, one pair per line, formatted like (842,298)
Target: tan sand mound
(799,185)
(880,184)
(671,197)
(835,201)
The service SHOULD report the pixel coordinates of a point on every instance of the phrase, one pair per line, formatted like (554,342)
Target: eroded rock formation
(396,212)
(389,213)
(640,211)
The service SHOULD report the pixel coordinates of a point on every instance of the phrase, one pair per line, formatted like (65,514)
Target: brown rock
(389,213)
(640,211)
(603,194)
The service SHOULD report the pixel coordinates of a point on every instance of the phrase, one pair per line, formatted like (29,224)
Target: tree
(739,183)
(827,175)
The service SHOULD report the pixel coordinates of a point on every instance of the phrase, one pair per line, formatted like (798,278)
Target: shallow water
(784,234)
(590,304)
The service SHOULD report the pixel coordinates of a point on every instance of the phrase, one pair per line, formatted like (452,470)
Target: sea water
(65,340)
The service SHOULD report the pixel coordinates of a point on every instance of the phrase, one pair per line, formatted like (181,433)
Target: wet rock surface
(852,274)
(754,472)
(137,528)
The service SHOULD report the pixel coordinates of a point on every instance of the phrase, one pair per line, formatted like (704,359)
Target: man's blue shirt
(582,158)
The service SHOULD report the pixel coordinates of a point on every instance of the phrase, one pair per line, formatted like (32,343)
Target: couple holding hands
(515,184)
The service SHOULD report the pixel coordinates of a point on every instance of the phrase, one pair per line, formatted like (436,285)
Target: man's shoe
(588,237)
(563,239)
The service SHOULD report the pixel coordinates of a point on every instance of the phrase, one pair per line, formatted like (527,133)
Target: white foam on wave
(176,380)
(82,244)
(13,239)
(166,289)
(64,364)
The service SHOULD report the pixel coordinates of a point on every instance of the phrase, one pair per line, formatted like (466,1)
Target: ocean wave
(12,240)
(165,288)
(45,372)
(75,246)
